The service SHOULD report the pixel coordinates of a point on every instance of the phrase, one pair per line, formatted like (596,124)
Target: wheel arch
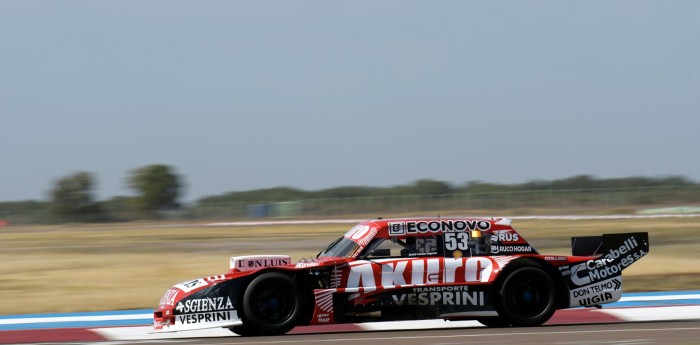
(299,276)
(561,288)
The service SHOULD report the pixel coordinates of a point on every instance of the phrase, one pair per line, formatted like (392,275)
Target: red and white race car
(406,269)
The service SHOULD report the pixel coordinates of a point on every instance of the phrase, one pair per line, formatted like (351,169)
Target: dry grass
(83,268)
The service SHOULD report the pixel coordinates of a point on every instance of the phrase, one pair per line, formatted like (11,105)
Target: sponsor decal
(204,304)
(358,232)
(422,254)
(248,263)
(307,264)
(606,285)
(392,272)
(169,297)
(496,249)
(606,291)
(565,270)
(356,252)
(448,295)
(191,285)
(219,316)
(361,234)
(505,236)
(255,263)
(555,258)
(426,246)
(609,265)
(324,300)
(457,241)
(436,226)
(215,279)
(596,299)
(324,306)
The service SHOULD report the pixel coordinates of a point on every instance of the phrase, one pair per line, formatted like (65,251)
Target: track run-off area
(632,320)
(667,333)
(669,317)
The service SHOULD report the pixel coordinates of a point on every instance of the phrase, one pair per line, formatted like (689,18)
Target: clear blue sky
(316,94)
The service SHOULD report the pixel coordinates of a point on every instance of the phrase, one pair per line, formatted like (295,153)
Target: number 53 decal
(456,240)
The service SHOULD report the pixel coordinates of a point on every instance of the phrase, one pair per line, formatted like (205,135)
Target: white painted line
(659,298)
(540,331)
(660,313)
(418,324)
(629,314)
(681,312)
(56,319)
(74,319)
(146,333)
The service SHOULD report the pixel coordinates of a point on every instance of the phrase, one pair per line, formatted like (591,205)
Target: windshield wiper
(329,247)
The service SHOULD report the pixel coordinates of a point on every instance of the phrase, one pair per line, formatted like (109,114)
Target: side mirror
(382,252)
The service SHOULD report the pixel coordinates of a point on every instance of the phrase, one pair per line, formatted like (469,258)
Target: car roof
(427,226)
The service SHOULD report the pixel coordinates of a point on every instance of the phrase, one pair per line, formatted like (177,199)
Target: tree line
(72,199)
(426,187)
(158,189)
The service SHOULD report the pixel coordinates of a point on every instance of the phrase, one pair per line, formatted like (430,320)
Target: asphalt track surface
(669,332)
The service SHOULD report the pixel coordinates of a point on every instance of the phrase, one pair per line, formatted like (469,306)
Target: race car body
(406,269)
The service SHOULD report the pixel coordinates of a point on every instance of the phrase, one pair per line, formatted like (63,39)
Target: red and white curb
(569,316)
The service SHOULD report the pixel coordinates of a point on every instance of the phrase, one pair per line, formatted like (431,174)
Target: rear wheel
(527,297)
(271,305)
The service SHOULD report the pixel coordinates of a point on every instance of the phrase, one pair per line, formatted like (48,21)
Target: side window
(384,248)
(429,245)
(465,244)
(404,247)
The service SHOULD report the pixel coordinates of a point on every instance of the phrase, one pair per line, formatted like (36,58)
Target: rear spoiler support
(610,243)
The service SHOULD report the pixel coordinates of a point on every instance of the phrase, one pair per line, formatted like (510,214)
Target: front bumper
(165,321)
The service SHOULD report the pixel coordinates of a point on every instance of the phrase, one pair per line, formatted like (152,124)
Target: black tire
(272,305)
(495,322)
(527,297)
(243,331)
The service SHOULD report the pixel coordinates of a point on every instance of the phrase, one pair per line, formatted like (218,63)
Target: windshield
(341,247)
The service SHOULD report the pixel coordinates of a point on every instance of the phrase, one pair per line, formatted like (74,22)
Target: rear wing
(598,280)
(614,247)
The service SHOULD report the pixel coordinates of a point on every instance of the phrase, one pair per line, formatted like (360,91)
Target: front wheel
(243,331)
(271,305)
(527,297)
(493,321)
